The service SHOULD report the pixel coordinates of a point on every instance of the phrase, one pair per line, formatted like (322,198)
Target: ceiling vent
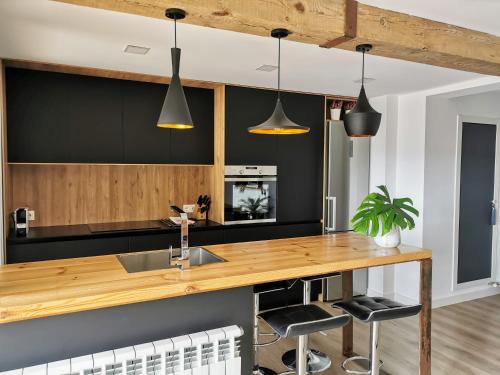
(136,50)
(267,68)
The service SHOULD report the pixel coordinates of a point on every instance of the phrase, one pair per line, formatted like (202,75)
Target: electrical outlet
(31,215)
(188,208)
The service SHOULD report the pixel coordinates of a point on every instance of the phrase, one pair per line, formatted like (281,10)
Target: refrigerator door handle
(331,205)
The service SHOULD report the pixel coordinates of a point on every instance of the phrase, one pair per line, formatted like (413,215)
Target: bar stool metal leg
(257,370)
(374,353)
(373,363)
(302,355)
(317,361)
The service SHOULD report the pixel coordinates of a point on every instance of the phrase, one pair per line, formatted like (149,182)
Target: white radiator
(214,352)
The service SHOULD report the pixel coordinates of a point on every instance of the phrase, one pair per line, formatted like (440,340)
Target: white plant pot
(335,113)
(391,239)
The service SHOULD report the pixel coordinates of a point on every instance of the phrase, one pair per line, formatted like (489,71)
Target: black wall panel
(300,160)
(36,341)
(34,252)
(195,146)
(34,119)
(143,142)
(299,157)
(248,107)
(66,118)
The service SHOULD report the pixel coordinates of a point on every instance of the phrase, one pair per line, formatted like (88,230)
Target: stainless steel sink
(164,259)
(198,256)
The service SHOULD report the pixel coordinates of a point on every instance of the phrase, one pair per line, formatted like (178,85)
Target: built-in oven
(250,194)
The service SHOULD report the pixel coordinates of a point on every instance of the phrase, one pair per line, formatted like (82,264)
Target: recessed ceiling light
(267,68)
(137,50)
(367,80)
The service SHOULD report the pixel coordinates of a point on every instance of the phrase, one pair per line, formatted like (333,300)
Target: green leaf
(389,222)
(383,188)
(374,225)
(400,201)
(409,208)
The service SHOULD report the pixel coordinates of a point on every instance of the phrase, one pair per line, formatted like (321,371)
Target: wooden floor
(465,340)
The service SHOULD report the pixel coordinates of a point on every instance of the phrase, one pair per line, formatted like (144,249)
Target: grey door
(477,187)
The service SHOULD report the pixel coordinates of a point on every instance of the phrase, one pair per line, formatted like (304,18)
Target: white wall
(383,172)
(440,176)
(414,155)
(397,160)
(439,200)
(484,104)
(410,160)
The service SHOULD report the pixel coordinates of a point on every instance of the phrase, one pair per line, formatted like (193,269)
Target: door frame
(495,248)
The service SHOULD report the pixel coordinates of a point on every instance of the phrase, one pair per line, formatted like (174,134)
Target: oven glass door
(250,199)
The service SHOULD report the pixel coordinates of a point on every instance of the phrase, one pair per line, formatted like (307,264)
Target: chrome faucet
(183,261)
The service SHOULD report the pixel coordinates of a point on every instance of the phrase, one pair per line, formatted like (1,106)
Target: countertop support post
(425,316)
(347,330)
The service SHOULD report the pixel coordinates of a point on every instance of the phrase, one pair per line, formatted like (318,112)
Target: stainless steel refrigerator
(347,183)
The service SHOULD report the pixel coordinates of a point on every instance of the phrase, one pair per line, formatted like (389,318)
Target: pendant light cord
(363,71)
(175,32)
(279,66)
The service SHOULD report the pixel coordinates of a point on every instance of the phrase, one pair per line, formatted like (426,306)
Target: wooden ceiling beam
(405,37)
(331,23)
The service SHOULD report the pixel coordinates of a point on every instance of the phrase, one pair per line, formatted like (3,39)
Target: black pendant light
(278,123)
(362,120)
(175,111)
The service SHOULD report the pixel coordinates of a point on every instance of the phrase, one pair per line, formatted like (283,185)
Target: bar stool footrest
(316,361)
(263,371)
(358,359)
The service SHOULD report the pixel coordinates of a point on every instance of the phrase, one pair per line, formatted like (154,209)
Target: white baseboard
(456,297)
(465,295)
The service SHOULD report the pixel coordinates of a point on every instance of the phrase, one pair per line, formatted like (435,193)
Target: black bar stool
(257,291)
(373,310)
(301,321)
(317,361)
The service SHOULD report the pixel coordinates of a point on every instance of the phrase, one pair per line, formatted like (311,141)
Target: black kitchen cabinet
(196,145)
(68,118)
(31,252)
(299,158)
(57,117)
(164,241)
(247,107)
(270,232)
(145,143)
(93,118)
(154,241)
(206,237)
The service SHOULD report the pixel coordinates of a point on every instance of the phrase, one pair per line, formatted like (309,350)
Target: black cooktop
(123,226)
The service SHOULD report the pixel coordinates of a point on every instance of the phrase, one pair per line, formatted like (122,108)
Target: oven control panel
(250,170)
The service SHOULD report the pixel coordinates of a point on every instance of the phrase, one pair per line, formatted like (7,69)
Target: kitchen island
(52,291)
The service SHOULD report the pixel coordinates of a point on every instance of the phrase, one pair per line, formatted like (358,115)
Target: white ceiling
(481,15)
(54,32)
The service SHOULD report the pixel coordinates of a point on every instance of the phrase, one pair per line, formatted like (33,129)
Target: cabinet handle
(493,215)
(331,214)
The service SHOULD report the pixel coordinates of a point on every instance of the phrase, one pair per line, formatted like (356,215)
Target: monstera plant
(381,217)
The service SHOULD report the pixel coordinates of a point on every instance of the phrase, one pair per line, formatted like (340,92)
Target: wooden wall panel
(219,154)
(94,193)
(103,73)
(6,192)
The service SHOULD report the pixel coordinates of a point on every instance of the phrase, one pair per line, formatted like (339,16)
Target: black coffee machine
(21,221)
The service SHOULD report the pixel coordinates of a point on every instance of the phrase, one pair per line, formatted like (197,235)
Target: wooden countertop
(41,289)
